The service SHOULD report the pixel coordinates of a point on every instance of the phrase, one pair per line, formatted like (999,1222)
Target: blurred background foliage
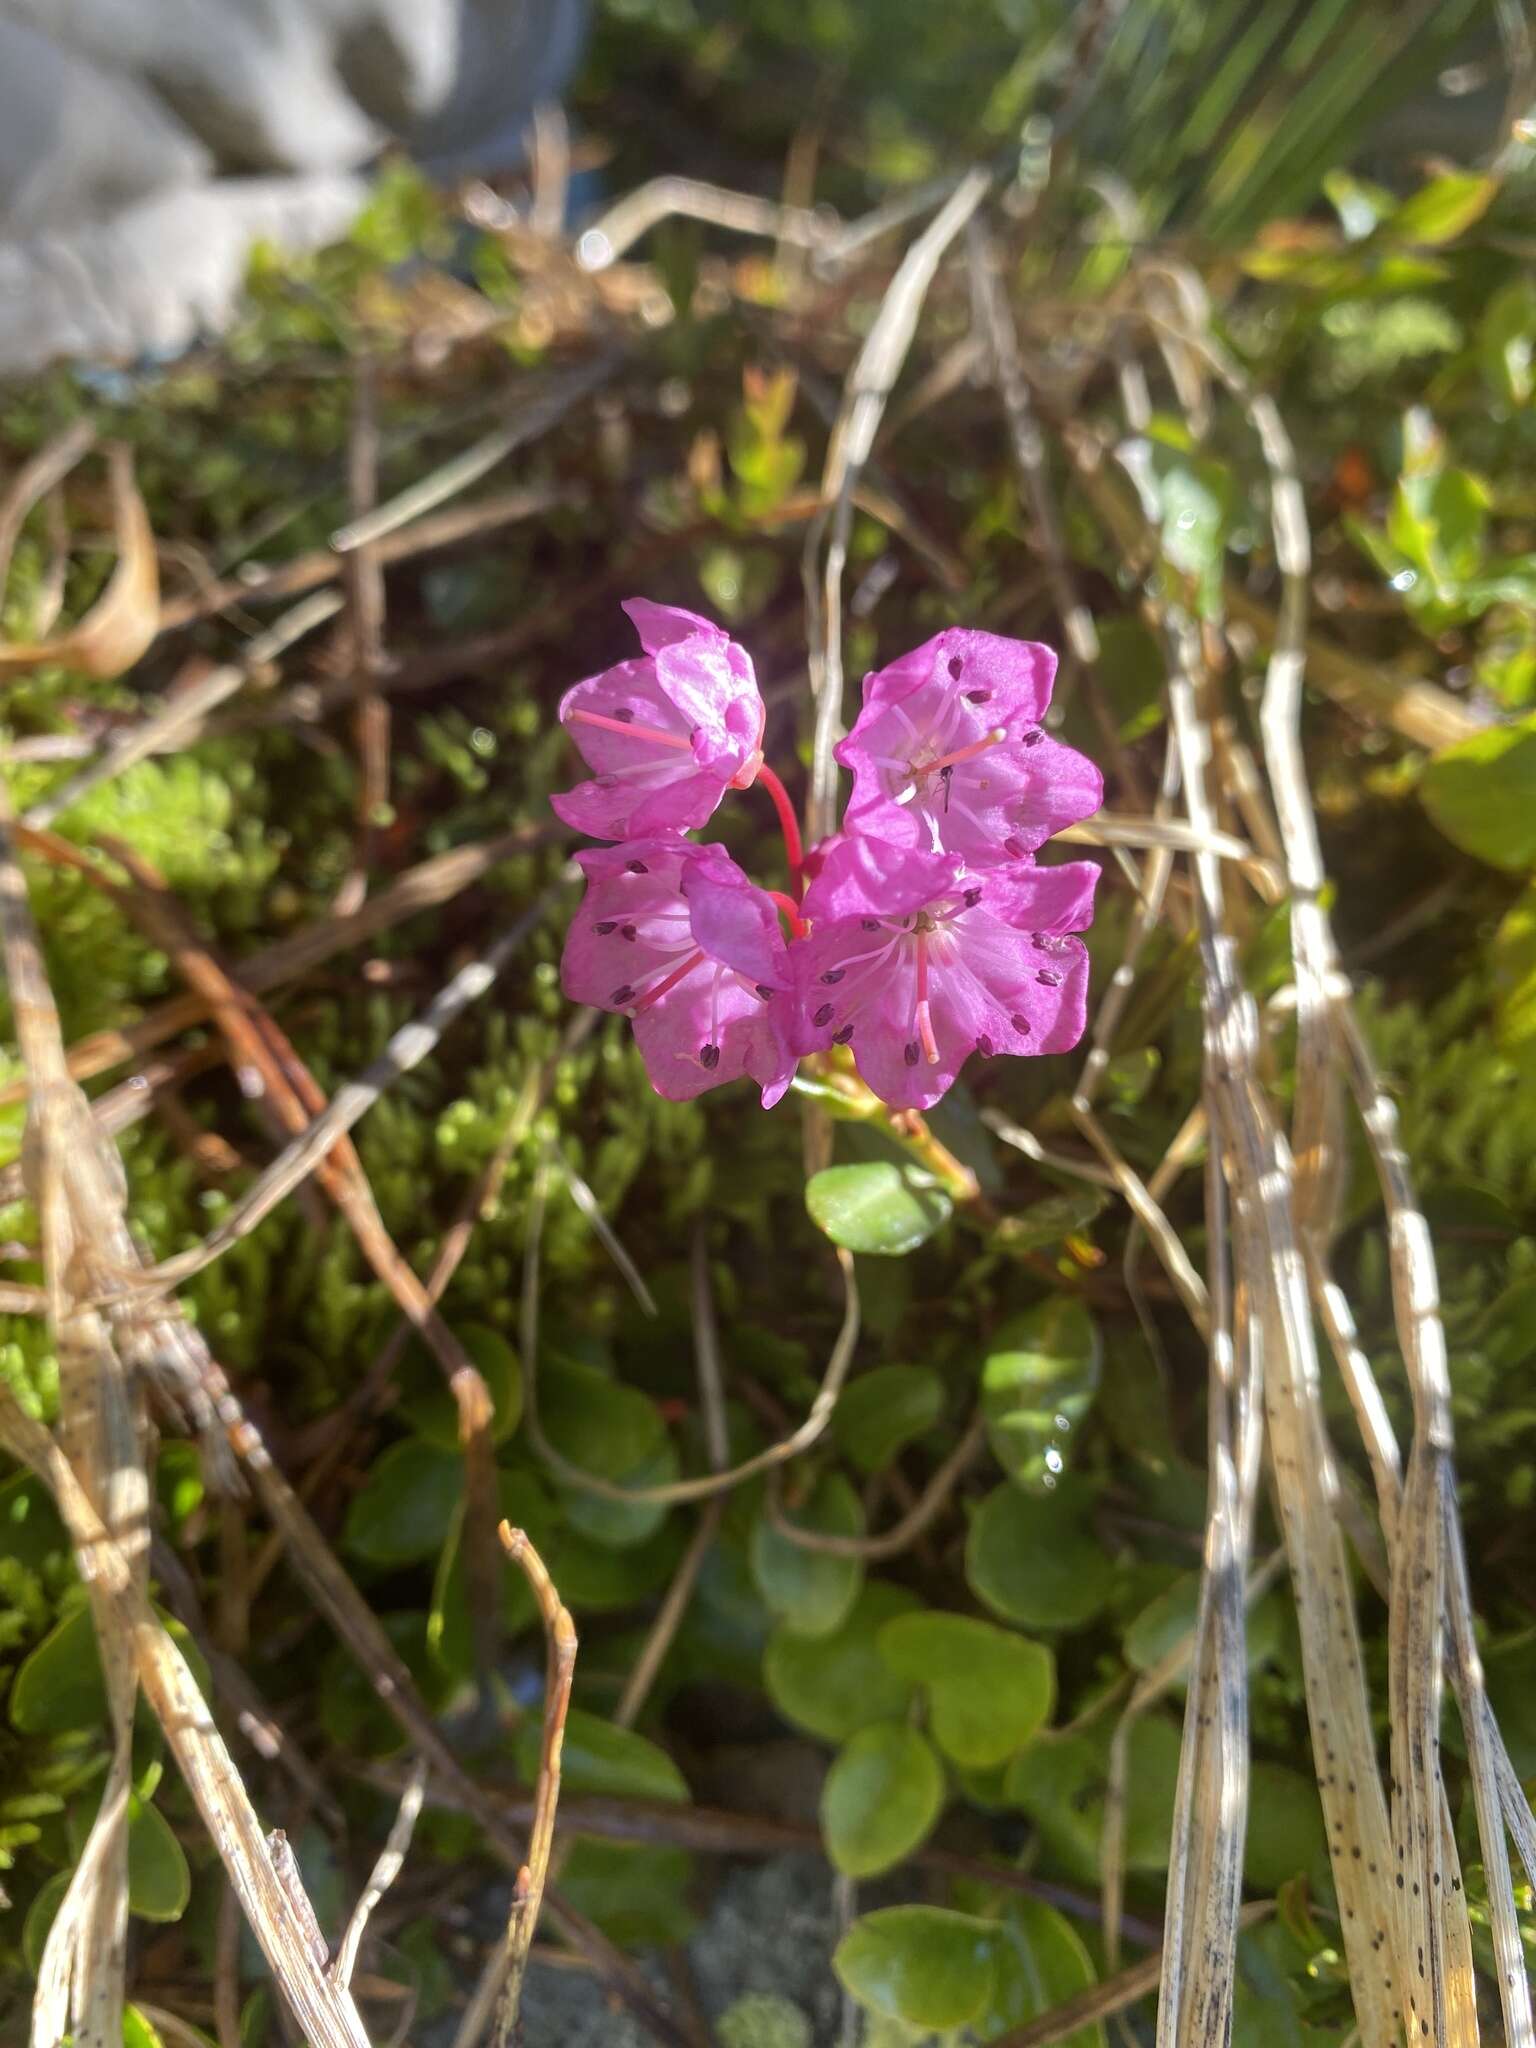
(1349,185)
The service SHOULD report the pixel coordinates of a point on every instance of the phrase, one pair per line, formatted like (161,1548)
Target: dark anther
(842,1037)
(946,776)
(911,1055)
(956,666)
(972,898)
(636,867)
(984,1046)
(1033,737)
(624,715)
(834,974)
(1048,980)
(765,992)
(628,932)
(824,1014)
(869,924)
(621,996)
(709,1057)
(1020,1024)
(978,696)
(607,925)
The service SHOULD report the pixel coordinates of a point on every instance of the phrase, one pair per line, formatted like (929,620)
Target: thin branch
(391,1860)
(528,1887)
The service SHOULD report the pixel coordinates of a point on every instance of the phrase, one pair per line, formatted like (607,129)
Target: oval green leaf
(1286,1837)
(881,1412)
(604,1761)
(1059,1781)
(924,1965)
(810,1591)
(878,1206)
(431,1410)
(404,1508)
(1041,1963)
(1037,1383)
(616,1433)
(836,1684)
(882,1795)
(159,1882)
(1031,1559)
(1482,795)
(989,1691)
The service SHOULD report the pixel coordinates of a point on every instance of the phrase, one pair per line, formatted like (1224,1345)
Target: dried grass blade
(122,622)
(323,2009)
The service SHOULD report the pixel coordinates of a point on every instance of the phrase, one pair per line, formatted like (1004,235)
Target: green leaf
(1482,794)
(1195,495)
(1286,1837)
(403,1510)
(1059,1781)
(59,1685)
(522,1501)
(602,1760)
(637,1892)
(834,1685)
(1506,340)
(431,1410)
(1041,1963)
(159,1882)
(989,1691)
(924,1965)
(30,1529)
(138,2033)
(882,1411)
(1031,1559)
(879,1206)
(810,1591)
(1037,1383)
(1170,1618)
(882,1795)
(1441,210)
(1514,981)
(616,1433)
(1050,1219)
(41,1915)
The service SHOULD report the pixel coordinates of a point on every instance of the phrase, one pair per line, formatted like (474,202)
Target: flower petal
(861,874)
(663,625)
(948,752)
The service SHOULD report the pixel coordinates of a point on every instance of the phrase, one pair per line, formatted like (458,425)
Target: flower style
(948,753)
(915,962)
(668,733)
(674,936)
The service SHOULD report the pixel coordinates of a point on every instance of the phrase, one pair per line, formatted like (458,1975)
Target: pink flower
(667,734)
(948,753)
(915,963)
(673,935)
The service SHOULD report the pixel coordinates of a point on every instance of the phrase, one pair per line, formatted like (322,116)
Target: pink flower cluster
(926,933)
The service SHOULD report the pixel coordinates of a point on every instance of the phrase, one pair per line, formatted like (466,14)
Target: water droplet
(1405,579)
(1053,1459)
(1185,521)
(1063,1425)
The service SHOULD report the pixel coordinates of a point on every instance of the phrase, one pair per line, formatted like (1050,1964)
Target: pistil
(654,995)
(632,731)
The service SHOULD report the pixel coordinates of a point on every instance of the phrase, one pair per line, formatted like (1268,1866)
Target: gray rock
(146,144)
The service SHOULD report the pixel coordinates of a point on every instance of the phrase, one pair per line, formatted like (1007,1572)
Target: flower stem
(789,825)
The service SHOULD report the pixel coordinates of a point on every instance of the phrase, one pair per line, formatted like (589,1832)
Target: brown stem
(528,1887)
